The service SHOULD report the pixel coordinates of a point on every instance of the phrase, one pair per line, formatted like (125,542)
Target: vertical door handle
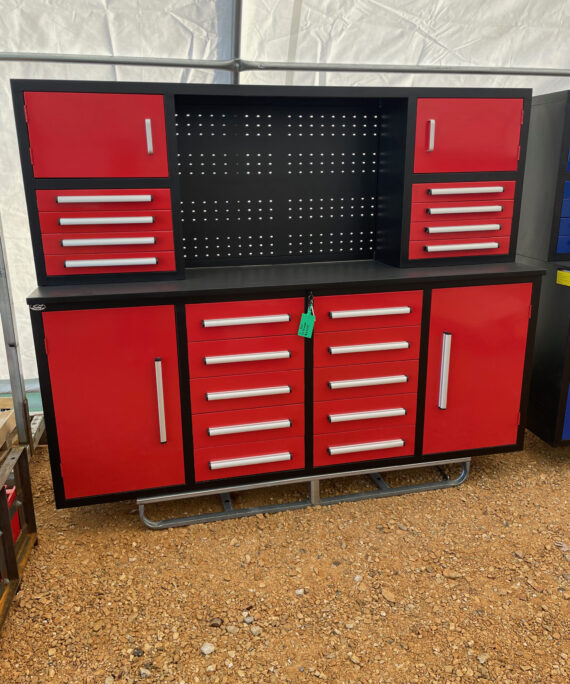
(160,399)
(431,135)
(148,129)
(444,372)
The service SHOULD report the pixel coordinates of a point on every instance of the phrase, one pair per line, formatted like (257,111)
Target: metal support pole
(21,410)
(236,40)
(315,492)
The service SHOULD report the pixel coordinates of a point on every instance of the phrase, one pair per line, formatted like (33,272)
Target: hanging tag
(562,278)
(307,321)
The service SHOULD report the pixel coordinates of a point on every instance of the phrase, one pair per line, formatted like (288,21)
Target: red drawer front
(336,349)
(226,320)
(273,350)
(269,389)
(248,425)
(11,495)
(462,192)
(354,311)
(56,264)
(138,200)
(429,231)
(263,457)
(397,377)
(361,414)
(375,444)
(461,210)
(76,244)
(459,248)
(50,221)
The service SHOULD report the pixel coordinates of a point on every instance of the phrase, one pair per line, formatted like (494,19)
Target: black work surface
(235,282)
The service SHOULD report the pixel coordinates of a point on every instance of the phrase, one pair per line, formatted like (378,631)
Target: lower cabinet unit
(187,389)
(116,400)
(477,347)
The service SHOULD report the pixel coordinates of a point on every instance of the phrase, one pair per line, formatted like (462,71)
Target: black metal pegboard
(277,179)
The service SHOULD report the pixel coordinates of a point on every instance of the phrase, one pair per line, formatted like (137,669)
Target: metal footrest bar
(314,499)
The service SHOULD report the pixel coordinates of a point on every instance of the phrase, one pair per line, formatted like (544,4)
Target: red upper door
(477,344)
(96,135)
(467,134)
(113,369)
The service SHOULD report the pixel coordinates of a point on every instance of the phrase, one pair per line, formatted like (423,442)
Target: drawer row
(461,219)
(106,231)
(267,317)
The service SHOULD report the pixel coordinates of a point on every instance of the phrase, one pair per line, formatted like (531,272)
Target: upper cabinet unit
(456,135)
(96,135)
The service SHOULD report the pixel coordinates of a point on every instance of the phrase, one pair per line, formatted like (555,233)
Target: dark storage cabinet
(544,238)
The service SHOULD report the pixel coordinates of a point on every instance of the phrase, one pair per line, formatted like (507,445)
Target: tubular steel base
(229,512)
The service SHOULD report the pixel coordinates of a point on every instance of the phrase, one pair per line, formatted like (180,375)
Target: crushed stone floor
(465,584)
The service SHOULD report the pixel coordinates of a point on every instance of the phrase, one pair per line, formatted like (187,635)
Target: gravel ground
(459,585)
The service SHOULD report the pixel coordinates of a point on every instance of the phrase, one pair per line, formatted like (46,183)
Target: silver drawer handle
(107,242)
(249,427)
(87,263)
(378,346)
(444,371)
(464,210)
(241,358)
(366,415)
(465,191)
(368,382)
(368,446)
(160,399)
(111,221)
(87,199)
(244,394)
(361,313)
(460,248)
(148,131)
(250,460)
(434,230)
(431,135)
(246,320)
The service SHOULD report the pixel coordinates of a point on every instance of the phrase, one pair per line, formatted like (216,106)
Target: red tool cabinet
(252,206)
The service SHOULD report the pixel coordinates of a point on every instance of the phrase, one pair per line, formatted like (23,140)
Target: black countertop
(239,281)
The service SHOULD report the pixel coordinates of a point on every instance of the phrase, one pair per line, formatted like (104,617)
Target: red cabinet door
(467,134)
(476,353)
(96,135)
(105,383)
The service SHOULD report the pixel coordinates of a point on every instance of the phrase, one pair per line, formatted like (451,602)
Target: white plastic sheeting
(516,33)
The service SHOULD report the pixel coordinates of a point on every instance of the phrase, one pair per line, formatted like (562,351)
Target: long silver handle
(249,427)
(434,211)
(431,135)
(368,446)
(466,191)
(88,263)
(444,371)
(435,230)
(250,460)
(160,399)
(366,415)
(241,358)
(112,221)
(361,313)
(245,320)
(368,382)
(378,346)
(460,248)
(148,131)
(244,394)
(107,242)
(87,199)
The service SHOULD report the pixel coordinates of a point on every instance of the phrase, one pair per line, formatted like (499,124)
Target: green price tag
(307,323)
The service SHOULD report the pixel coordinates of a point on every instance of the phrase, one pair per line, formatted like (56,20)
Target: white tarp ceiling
(516,33)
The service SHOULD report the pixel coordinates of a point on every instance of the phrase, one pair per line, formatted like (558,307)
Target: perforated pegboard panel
(277,179)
